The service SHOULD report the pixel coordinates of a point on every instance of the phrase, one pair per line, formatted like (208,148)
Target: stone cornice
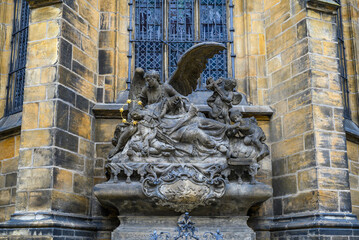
(42,3)
(329,6)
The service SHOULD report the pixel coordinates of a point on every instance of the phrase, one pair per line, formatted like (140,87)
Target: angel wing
(137,83)
(191,65)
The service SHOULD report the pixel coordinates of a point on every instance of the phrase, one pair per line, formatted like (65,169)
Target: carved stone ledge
(111,110)
(42,3)
(328,6)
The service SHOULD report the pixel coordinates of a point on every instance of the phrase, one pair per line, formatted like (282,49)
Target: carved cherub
(248,129)
(221,99)
(123,133)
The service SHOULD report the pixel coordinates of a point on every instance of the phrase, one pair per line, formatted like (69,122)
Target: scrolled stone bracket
(182,187)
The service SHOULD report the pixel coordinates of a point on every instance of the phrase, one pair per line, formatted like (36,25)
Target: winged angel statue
(163,126)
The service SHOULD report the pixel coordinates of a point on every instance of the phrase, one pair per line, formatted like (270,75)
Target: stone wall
(9,158)
(286,57)
(353,157)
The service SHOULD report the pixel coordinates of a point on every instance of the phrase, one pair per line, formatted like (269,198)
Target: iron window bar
(16,76)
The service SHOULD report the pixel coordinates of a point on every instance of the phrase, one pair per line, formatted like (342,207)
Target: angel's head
(229,84)
(152,77)
(236,116)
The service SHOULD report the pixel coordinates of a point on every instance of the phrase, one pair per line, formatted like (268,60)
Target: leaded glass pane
(149,55)
(181,20)
(148,20)
(149,34)
(213,18)
(213,26)
(180,30)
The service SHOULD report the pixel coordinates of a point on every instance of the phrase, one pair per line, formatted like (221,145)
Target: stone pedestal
(141,215)
(141,227)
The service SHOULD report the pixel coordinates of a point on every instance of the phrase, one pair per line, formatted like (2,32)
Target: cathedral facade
(66,69)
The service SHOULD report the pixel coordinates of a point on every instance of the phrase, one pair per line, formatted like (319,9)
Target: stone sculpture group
(169,153)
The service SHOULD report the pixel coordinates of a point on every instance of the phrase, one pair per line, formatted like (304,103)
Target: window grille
(343,65)
(15,87)
(165,29)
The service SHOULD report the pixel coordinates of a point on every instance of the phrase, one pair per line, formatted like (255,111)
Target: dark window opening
(16,79)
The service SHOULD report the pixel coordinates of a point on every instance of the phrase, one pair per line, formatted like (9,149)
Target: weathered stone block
(307,201)
(281,75)
(300,65)
(328,200)
(46,114)
(5,196)
(336,179)
(63,180)
(74,19)
(329,140)
(86,148)
(106,62)
(345,204)
(80,123)
(69,203)
(88,12)
(65,54)
(74,82)
(301,161)
(307,180)
(298,122)
(42,157)
(33,179)
(7,147)
(107,39)
(10,180)
(71,34)
(83,184)
(287,147)
(68,160)
(39,200)
(299,100)
(9,165)
(284,185)
(42,53)
(37,31)
(353,151)
(321,30)
(46,13)
(53,29)
(83,72)
(339,159)
(36,138)
(279,167)
(66,140)
(89,47)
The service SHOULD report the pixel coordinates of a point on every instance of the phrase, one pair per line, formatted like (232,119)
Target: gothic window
(15,86)
(342,64)
(165,29)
